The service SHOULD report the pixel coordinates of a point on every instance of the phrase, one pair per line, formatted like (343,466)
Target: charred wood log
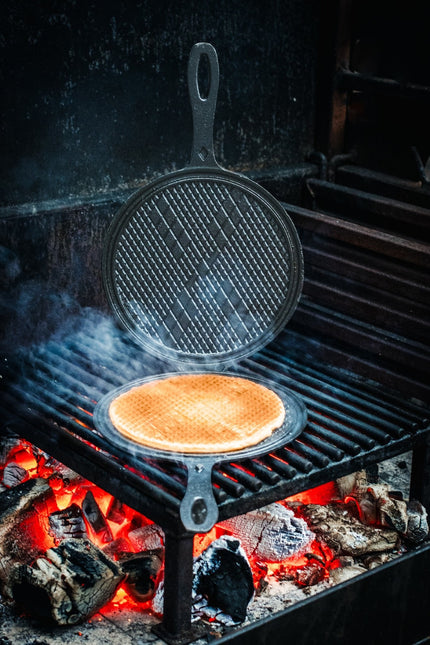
(68,585)
(16,505)
(418,528)
(345,534)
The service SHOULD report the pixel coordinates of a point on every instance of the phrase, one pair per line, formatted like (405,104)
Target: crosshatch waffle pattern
(207,413)
(203,268)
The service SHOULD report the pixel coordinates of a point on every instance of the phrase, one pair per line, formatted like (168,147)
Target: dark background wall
(95,95)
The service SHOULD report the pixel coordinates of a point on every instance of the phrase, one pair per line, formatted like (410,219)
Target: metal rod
(361,393)
(298,461)
(281,467)
(249,481)
(324,446)
(420,473)
(265,473)
(327,402)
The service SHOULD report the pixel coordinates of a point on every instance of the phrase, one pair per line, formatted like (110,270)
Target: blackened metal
(178,584)
(420,475)
(370,208)
(188,256)
(404,190)
(365,83)
(252,482)
(262,471)
(155,488)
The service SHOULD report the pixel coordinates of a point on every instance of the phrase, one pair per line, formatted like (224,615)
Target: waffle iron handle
(203,107)
(199,510)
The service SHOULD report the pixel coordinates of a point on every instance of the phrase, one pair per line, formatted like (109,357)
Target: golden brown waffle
(198,413)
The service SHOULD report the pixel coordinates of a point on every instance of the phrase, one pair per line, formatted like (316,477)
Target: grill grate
(51,392)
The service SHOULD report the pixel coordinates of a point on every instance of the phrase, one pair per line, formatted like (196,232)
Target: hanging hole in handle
(204,77)
(199,511)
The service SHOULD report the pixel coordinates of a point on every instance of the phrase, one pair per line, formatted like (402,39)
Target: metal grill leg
(176,627)
(420,475)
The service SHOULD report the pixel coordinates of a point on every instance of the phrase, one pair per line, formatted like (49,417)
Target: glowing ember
(78,508)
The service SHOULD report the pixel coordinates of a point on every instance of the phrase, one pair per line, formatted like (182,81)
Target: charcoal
(309,574)
(222,575)
(95,518)
(67,523)
(14,474)
(116,548)
(270,533)
(418,528)
(142,571)
(392,512)
(116,512)
(68,585)
(147,538)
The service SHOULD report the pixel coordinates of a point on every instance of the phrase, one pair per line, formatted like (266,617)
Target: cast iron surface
(199,509)
(50,392)
(203,265)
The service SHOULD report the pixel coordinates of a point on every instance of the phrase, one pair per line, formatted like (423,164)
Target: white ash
(378,504)
(272,533)
(345,534)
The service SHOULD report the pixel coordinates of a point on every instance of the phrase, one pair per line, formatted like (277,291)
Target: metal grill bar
(349,421)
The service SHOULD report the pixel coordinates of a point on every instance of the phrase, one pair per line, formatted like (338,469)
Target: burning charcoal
(418,527)
(67,523)
(95,518)
(142,571)
(346,573)
(116,512)
(271,533)
(309,574)
(222,574)
(49,463)
(345,534)
(68,585)
(115,549)
(201,609)
(14,474)
(147,538)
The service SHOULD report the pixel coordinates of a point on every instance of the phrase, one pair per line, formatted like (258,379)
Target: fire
(122,528)
(319,495)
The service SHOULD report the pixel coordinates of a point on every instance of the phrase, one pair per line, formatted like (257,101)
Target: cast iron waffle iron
(203,267)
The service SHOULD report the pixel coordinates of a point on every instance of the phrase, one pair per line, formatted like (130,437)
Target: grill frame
(237,491)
